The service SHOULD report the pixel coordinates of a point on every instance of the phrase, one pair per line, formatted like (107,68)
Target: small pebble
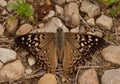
(59,9)
(48,79)
(88,77)
(91,9)
(24,29)
(71,14)
(11,26)
(28,71)
(49,15)
(3,3)
(11,71)
(7,55)
(105,21)
(52,26)
(112,54)
(111,77)
(31,61)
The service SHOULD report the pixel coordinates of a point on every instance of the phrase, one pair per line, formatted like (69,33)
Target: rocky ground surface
(83,16)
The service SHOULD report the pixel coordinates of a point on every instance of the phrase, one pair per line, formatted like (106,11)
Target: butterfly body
(70,49)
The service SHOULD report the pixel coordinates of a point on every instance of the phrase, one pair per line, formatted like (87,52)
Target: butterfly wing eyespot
(40,45)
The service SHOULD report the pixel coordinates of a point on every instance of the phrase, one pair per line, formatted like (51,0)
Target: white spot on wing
(23,38)
(82,44)
(96,39)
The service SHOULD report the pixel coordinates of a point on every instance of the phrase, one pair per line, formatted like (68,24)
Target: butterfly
(68,48)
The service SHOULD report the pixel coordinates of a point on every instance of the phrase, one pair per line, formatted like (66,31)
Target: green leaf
(22,8)
(113,12)
(119,6)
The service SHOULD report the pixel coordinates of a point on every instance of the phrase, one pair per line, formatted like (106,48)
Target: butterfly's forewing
(78,47)
(42,47)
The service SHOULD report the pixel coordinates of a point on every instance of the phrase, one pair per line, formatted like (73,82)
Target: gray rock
(88,77)
(3,3)
(7,55)
(31,61)
(111,77)
(52,26)
(59,9)
(48,79)
(11,26)
(28,71)
(71,14)
(49,15)
(24,29)
(112,54)
(91,9)
(105,22)
(11,71)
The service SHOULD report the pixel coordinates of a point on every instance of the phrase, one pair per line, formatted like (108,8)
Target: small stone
(105,21)
(49,15)
(59,1)
(48,79)
(111,76)
(24,29)
(1,29)
(3,3)
(112,54)
(91,21)
(59,9)
(31,61)
(71,14)
(1,65)
(12,23)
(11,71)
(28,71)
(88,77)
(52,26)
(7,55)
(91,9)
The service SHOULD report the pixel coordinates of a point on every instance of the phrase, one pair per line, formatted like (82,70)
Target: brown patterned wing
(77,48)
(41,46)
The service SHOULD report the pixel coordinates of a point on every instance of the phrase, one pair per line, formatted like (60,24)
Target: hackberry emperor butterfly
(68,48)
